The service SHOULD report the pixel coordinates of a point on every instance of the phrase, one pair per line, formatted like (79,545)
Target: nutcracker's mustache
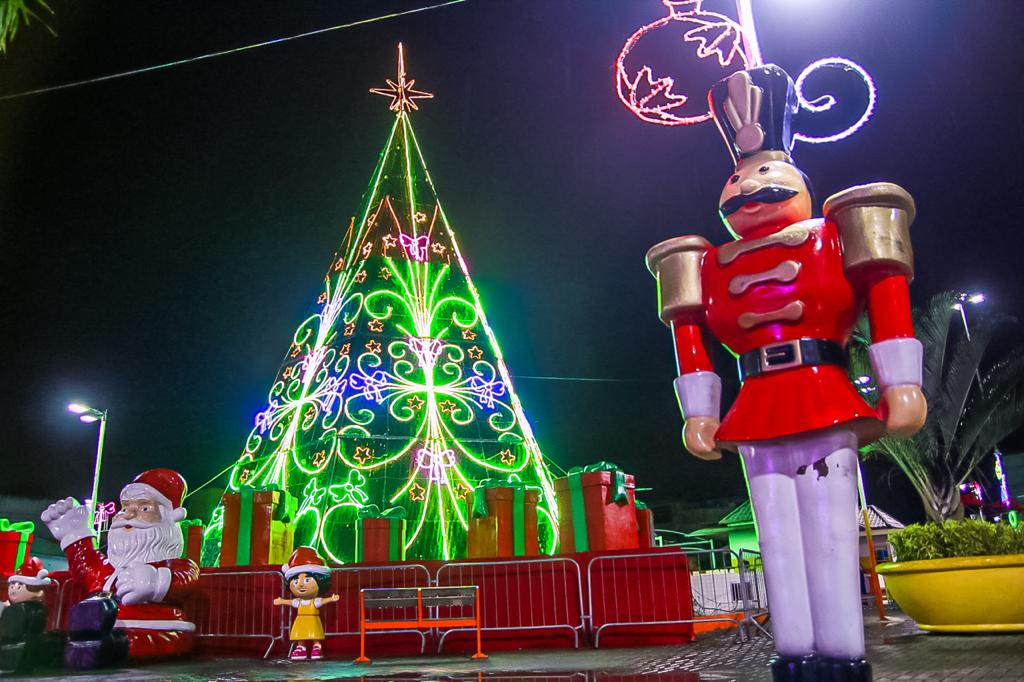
(769,194)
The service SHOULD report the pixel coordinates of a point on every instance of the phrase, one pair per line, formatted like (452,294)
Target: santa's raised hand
(68,521)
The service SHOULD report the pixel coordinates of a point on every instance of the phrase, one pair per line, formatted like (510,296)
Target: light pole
(88,415)
(963,298)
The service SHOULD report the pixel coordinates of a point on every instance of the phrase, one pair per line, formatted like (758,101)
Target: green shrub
(956,539)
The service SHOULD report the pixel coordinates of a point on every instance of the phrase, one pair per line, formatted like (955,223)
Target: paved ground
(899,652)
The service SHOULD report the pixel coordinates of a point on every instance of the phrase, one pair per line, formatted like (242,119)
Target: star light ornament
(403,96)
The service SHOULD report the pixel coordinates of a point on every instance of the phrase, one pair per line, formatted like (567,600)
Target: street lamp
(88,415)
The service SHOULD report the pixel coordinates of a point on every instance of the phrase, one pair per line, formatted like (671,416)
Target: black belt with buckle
(788,354)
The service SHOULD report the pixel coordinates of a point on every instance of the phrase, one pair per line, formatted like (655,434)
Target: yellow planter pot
(963,594)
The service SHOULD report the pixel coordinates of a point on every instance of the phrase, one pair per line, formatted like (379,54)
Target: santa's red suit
(156,629)
(150,590)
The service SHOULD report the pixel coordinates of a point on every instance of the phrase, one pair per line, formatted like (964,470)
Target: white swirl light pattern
(827,102)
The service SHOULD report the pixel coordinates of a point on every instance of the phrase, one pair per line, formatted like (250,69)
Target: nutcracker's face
(18,593)
(765,193)
(304,586)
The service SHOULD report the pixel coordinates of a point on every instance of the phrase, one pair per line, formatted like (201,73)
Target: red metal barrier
(523,602)
(341,620)
(640,598)
(234,612)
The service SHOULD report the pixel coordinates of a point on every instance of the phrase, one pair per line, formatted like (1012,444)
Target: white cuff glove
(897,362)
(700,394)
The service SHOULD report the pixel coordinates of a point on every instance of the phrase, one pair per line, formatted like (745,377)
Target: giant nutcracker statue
(784,298)
(136,589)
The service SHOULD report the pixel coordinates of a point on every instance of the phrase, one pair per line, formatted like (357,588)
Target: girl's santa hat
(166,487)
(304,560)
(32,573)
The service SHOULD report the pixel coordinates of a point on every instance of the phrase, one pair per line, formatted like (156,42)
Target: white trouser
(804,492)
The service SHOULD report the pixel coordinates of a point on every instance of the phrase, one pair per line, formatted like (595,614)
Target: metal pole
(96,477)
(751,47)
(876,588)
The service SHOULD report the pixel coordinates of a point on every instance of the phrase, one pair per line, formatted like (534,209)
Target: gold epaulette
(676,263)
(874,228)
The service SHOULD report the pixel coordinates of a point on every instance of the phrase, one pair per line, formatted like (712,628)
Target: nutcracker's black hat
(754,111)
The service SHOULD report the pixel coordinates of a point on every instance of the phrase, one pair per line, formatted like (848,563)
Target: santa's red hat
(31,572)
(163,485)
(304,560)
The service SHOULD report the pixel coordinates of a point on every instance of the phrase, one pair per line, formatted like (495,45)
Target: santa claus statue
(136,589)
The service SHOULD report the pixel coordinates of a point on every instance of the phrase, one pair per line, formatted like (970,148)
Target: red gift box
(597,511)
(645,525)
(258,528)
(503,522)
(15,544)
(193,532)
(380,535)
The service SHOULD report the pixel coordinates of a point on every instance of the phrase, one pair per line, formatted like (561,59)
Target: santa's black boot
(794,668)
(92,640)
(843,670)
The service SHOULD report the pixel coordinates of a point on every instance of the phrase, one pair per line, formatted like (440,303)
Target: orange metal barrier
(432,598)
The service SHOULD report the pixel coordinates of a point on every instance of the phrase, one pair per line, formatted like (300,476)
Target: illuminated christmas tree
(394,392)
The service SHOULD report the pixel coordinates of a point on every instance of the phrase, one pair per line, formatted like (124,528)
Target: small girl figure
(307,578)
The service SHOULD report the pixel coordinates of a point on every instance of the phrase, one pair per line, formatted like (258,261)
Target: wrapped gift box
(258,528)
(192,533)
(15,544)
(380,535)
(503,522)
(644,525)
(597,509)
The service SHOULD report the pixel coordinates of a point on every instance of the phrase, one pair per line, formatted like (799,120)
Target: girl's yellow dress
(307,625)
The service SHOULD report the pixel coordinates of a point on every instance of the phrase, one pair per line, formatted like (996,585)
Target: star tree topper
(403,96)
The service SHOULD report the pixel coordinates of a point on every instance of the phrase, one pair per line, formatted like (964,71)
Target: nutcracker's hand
(67,520)
(699,437)
(904,410)
(138,583)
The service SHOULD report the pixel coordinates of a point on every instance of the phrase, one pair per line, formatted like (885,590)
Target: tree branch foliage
(17,13)
(966,419)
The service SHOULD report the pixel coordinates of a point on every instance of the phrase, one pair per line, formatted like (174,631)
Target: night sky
(162,235)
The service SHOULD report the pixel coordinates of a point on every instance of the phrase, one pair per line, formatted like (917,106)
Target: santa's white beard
(160,541)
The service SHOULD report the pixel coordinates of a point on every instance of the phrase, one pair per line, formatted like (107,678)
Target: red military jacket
(783,285)
(94,570)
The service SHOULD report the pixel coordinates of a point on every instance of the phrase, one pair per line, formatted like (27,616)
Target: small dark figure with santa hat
(137,589)
(23,643)
(308,578)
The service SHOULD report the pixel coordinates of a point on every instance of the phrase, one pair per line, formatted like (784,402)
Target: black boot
(843,670)
(93,641)
(24,645)
(794,668)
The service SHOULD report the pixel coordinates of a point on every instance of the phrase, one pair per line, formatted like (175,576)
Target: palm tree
(971,406)
(17,13)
